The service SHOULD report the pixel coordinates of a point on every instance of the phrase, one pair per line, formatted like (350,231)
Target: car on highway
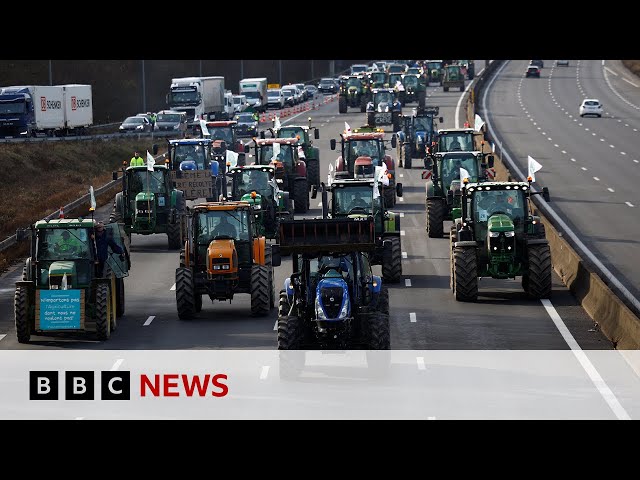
(591,106)
(135,124)
(290,96)
(171,121)
(247,125)
(328,85)
(275,98)
(239,103)
(312,91)
(564,63)
(537,63)
(533,71)
(303,92)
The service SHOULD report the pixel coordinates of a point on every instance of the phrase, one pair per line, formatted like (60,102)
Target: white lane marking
(320,204)
(402,232)
(635,129)
(539,128)
(635,160)
(407,282)
(402,175)
(149,320)
(629,81)
(626,124)
(573,159)
(544,133)
(602,62)
(264,372)
(535,123)
(588,367)
(611,190)
(586,129)
(629,203)
(412,317)
(556,145)
(610,71)
(564,151)
(421,365)
(584,168)
(79,418)
(116,365)
(596,179)
(612,146)
(275,326)
(431,418)
(401,199)
(2,336)
(173,287)
(404,254)
(602,139)
(401,214)
(623,153)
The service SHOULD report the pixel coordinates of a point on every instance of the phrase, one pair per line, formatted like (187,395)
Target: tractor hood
(145,196)
(252,200)
(222,257)
(59,268)
(332,298)
(500,223)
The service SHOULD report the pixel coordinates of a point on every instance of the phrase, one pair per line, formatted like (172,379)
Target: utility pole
(200,67)
(241,69)
(144,93)
(50,74)
(332,68)
(280,72)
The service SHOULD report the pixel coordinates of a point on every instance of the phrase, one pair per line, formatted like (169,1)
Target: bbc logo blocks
(79,385)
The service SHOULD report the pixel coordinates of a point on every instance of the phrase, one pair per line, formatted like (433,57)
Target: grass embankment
(39,178)
(633,65)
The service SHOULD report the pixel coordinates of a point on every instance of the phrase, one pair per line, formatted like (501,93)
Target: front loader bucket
(327,235)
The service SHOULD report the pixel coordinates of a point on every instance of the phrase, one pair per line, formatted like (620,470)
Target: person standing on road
(136,160)
(153,117)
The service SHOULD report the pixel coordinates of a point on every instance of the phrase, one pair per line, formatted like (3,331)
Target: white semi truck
(255,89)
(201,98)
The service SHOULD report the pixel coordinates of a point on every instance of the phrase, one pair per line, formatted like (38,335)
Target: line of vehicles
(229,211)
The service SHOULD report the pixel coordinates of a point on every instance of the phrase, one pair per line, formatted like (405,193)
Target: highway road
(590,165)
(424,313)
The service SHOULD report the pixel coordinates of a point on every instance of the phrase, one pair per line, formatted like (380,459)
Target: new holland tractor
(453,77)
(361,198)
(332,299)
(418,133)
(291,171)
(497,235)
(62,289)
(362,150)
(443,185)
(354,93)
(384,108)
(149,203)
(256,185)
(225,255)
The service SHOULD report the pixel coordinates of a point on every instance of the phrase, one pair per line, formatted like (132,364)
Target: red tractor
(223,134)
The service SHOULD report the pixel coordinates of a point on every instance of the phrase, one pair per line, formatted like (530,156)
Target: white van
(239,103)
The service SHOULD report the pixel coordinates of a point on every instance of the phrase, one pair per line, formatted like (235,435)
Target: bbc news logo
(49,104)
(116,385)
(82,103)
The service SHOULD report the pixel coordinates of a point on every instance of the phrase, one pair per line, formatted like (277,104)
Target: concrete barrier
(615,319)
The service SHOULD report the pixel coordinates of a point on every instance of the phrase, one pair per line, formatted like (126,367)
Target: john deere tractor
(434,71)
(225,255)
(456,139)
(415,90)
(354,93)
(256,185)
(331,299)
(418,134)
(443,185)
(62,289)
(378,80)
(148,203)
(361,198)
(498,236)
(384,108)
(453,77)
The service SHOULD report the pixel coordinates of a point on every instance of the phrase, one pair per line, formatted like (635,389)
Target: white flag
(232,159)
(330,174)
(347,128)
(276,123)
(301,153)
(493,147)
(533,168)
(64,282)
(204,129)
(464,174)
(150,161)
(93,199)
(376,187)
(381,174)
(276,151)
(478,123)
(399,86)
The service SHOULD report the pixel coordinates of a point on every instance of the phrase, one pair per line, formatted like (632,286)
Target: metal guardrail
(99,136)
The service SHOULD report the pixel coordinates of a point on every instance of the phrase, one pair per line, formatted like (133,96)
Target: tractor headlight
(319,311)
(279,180)
(344,311)
(494,234)
(509,234)
(257,207)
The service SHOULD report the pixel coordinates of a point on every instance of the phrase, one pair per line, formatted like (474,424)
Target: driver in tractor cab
(224,228)
(358,201)
(498,202)
(67,245)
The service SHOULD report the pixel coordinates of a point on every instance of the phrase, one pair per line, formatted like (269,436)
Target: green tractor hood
(146,196)
(247,197)
(500,223)
(57,271)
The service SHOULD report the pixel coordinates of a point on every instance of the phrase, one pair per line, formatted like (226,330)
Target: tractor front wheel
(185,293)
(435,217)
(392,262)
(342,104)
(21,309)
(301,195)
(260,290)
(173,236)
(103,312)
(465,274)
(407,156)
(538,283)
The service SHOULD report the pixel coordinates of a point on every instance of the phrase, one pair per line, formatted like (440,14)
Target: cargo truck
(78,108)
(255,89)
(199,97)
(27,111)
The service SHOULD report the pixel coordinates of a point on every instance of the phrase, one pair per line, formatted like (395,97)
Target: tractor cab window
(422,123)
(63,244)
(222,224)
(354,82)
(453,142)
(146,181)
(248,181)
(191,153)
(333,266)
(410,81)
(378,77)
(508,202)
(291,132)
(364,148)
(450,168)
(285,155)
(219,133)
(353,200)
(383,97)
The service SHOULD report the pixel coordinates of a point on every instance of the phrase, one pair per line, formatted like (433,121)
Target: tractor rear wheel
(173,235)
(383,301)
(435,217)
(116,215)
(342,104)
(378,327)
(185,293)
(539,276)
(407,156)
(290,335)
(301,195)
(119,297)
(103,312)
(259,290)
(465,274)
(392,262)
(389,197)
(452,270)
(21,309)
(272,286)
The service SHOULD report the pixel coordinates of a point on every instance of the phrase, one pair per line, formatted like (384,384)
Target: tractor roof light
(465,180)
(529,179)
(254,194)
(389,176)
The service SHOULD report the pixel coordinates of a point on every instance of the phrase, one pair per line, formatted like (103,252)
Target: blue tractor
(332,300)
(418,134)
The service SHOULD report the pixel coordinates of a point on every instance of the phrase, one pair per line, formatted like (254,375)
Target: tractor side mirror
(276,257)
(114,175)
(154,149)
(394,141)
(332,143)
(441,119)
(490,160)
(316,134)
(545,194)
(399,189)
(247,149)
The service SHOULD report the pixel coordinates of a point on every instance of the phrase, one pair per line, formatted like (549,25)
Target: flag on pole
(276,123)
(204,129)
(330,174)
(376,187)
(478,123)
(347,128)
(381,174)
(533,167)
(63,286)
(93,199)
(150,161)
(276,151)
(464,174)
(493,148)
(232,159)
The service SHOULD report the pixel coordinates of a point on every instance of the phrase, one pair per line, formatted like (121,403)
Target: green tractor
(498,236)
(309,153)
(443,185)
(456,139)
(434,71)
(149,203)
(415,90)
(378,80)
(256,185)
(361,199)
(354,93)
(453,77)
(61,288)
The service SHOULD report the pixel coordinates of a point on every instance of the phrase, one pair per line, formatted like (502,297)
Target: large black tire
(290,332)
(301,195)
(392,262)
(185,293)
(342,104)
(21,310)
(283,304)
(120,300)
(313,172)
(173,236)
(422,99)
(272,287)
(452,270)
(379,331)
(259,290)
(103,312)
(389,197)
(116,215)
(407,155)
(435,217)
(383,301)
(539,277)
(466,274)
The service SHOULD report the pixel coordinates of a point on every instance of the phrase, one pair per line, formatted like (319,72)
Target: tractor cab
(456,139)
